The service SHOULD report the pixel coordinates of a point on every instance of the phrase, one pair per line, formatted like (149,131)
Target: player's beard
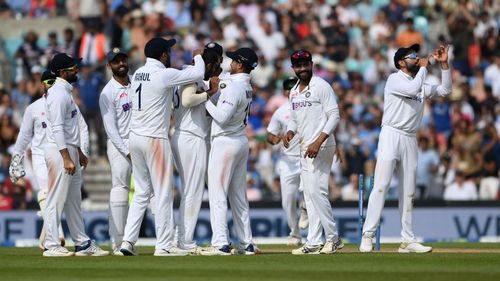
(412,67)
(305,75)
(120,71)
(72,78)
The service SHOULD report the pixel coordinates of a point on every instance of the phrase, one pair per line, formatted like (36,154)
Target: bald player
(33,130)
(228,157)
(314,117)
(153,88)
(115,103)
(404,100)
(190,145)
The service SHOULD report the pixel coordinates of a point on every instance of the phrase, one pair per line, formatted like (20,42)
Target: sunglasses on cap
(411,56)
(72,68)
(301,55)
(49,82)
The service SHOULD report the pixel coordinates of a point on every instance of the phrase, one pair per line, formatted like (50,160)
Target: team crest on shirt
(123,95)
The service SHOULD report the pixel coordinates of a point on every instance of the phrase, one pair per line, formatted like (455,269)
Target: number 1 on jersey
(138,91)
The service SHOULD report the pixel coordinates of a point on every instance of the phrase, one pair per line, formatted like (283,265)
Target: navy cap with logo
(157,46)
(214,46)
(402,52)
(300,55)
(62,61)
(245,56)
(111,55)
(289,83)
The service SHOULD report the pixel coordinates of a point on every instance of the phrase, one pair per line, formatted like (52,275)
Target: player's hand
(197,52)
(287,138)
(214,85)
(84,161)
(423,62)
(441,54)
(313,149)
(69,166)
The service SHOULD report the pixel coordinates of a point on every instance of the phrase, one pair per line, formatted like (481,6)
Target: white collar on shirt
(154,62)
(63,83)
(118,84)
(240,76)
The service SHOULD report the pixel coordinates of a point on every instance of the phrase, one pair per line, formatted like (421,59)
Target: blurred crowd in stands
(353,43)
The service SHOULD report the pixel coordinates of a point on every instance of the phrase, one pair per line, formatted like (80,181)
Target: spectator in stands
(428,161)
(52,48)
(68,46)
(29,53)
(93,46)
(461,189)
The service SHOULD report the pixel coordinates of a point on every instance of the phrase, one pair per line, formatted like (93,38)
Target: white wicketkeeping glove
(16,168)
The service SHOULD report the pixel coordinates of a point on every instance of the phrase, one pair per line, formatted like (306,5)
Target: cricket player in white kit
(64,157)
(190,145)
(33,130)
(314,117)
(404,99)
(227,164)
(115,103)
(288,165)
(153,87)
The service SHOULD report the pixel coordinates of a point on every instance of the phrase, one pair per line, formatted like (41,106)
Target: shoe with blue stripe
(249,250)
(307,250)
(90,248)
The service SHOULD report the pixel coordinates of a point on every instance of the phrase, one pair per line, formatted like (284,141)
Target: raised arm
(174,77)
(399,87)
(226,106)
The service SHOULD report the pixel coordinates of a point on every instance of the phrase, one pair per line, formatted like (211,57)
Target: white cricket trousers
(191,159)
(395,149)
(64,194)
(40,170)
(121,170)
(227,170)
(289,169)
(153,175)
(315,174)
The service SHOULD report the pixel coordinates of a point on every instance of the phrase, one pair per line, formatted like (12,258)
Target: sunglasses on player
(301,55)
(411,56)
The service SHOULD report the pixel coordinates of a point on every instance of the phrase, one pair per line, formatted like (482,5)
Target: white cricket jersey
(309,110)
(194,120)
(33,129)
(231,112)
(153,87)
(278,126)
(62,115)
(404,98)
(115,103)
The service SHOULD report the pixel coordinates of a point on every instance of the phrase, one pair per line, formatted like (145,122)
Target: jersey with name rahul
(153,87)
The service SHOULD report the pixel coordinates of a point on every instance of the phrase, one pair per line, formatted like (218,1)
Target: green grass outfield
(449,261)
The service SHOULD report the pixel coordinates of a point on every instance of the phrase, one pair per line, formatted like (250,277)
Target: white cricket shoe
(217,251)
(57,252)
(332,247)
(172,252)
(128,249)
(307,250)
(116,252)
(293,241)
(366,245)
(304,218)
(414,248)
(90,249)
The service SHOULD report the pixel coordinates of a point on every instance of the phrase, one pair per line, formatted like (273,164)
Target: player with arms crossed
(314,117)
(153,87)
(33,130)
(404,99)
(288,165)
(190,145)
(116,109)
(64,159)
(227,164)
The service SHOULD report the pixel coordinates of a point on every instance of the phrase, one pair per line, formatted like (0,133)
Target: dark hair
(210,56)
